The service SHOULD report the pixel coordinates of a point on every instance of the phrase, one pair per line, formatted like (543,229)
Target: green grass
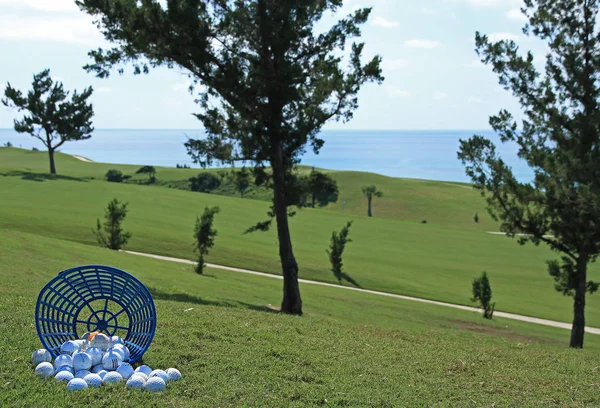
(425,260)
(350,349)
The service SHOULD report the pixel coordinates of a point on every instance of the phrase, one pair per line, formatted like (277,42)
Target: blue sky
(433,78)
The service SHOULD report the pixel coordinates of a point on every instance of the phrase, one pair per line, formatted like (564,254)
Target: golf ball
(96,354)
(159,373)
(101,341)
(115,340)
(82,361)
(102,373)
(111,378)
(77,384)
(122,350)
(63,376)
(65,368)
(81,373)
(44,369)
(135,382)
(41,356)
(155,384)
(69,347)
(63,359)
(111,360)
(143,369)
(140,374)
(93,380)
(126,370)
(173,374)
(96,368)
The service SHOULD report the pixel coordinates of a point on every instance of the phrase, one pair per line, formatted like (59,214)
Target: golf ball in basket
(101,341)
(173,374)
(82,344)
(93,380)
(65,368)
(81,373)
(62,360)
(121,349)
(63,376)
(111,360)
(96,368)
(44,369)
(143,369)
(82,361)
(41,356)
(115,340)
(69,347)
(126,370)
(77,384)
(112,377)
(136,382)
(102,373)
(96,354)
(155,384)
(159,373)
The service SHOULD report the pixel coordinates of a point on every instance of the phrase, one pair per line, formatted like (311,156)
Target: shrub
(114,176)
(204,236)
(35,149)
(8,144)
(482,293)
(150,171)
(476,218)
(111,234)
(335,252)
(205,182)
(423,221)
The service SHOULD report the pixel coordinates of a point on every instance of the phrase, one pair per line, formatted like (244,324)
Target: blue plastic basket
(95,297)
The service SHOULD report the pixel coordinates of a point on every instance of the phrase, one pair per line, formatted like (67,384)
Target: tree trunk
(52,165)
(370,212)
(578,329)
(292,303)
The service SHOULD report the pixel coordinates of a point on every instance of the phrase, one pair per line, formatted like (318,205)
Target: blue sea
(420,154)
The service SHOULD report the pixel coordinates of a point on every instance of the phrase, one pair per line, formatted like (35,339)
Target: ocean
(420,154)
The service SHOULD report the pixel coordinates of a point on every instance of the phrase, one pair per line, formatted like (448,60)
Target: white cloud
(394,64)
(473,99)
(41,5)
(428,11)
(474,64)
(174,102)
(182,86)
(103,89)
(78,30)
(57,78)
(382,22)
(438,96)
(427,44)
(516,15)
(395,91)
(494,37)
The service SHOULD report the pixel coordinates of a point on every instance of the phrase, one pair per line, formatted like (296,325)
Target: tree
(370,192)
(204,182)
(242,180)
(114,176)
(113,236)
(204,236)
(269,82)
(482,293)
(476,218)
(50,116)
(335,252)
(322,188)
(558,139)
(150,171)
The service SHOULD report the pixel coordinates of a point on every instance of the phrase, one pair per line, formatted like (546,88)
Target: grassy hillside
(425,260)
(439,203)
(351,349)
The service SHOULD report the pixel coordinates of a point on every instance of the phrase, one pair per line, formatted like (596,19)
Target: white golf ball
(155,384)
(62,360)
(81,373)
(173,374)
(93,380)
(96,354)
(159,373)
(126,370)
(77,384)
(121,349)
(41,356)
(65,368)
(44,369)
(112,377)
(115,340)
(101,341)
(136,382)
(102,373)
(143,369)
(63,376)
(69,347)
(140,374)
(111,360)
(96,368)
(82,361)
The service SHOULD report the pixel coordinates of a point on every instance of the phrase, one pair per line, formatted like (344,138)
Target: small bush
(114,176)
(204,236)
(476,218)
(8,144)
(205,182)
(423,221)
(335,252)
(482,293)
(150,171)
(35,149)
(111,234)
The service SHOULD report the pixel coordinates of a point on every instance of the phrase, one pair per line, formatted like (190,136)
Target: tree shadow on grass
(40,177)
(185,298)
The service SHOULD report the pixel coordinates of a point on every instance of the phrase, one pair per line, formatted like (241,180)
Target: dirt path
(83,159)
(505,315)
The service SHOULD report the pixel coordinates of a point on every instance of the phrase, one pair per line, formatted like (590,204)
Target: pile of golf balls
(99,360)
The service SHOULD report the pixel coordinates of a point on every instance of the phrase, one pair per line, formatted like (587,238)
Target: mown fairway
(350,349)
(435,261)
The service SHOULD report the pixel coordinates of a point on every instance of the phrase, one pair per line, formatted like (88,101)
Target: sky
(433,77)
